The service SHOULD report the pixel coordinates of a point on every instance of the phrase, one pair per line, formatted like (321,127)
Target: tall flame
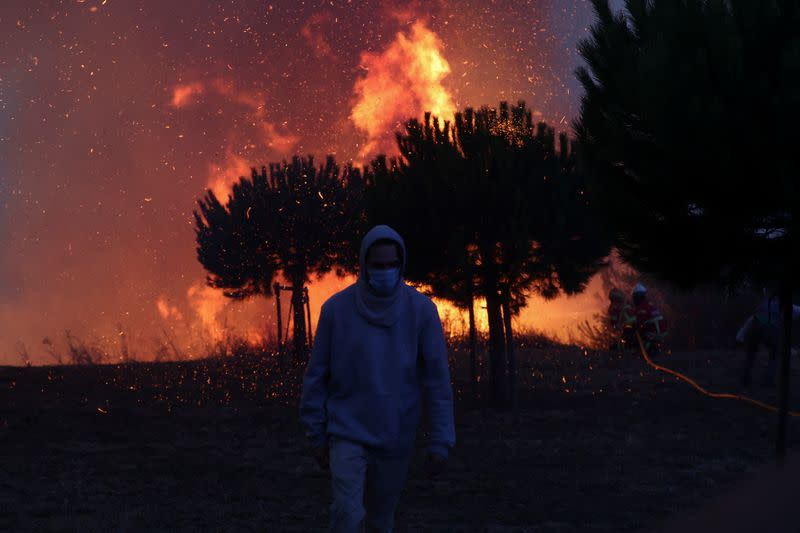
(405,80)
(207,303)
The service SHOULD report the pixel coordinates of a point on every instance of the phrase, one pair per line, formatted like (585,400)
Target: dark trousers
(767,335)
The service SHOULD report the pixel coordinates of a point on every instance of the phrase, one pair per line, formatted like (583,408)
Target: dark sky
(115,115)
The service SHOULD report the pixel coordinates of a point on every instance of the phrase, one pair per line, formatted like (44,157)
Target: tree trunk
(299,337)
(473,348)
(512,363)
(786,352)
(308,317)
(497,352)
(277,289)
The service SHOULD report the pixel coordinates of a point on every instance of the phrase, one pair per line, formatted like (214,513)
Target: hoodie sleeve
(314,398)
(436,382)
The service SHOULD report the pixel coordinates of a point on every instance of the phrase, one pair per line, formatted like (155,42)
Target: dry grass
(601,443)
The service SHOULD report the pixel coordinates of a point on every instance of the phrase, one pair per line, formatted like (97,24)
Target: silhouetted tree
(688,124)
(536,233)
(491,211)
(296,219)
(407,193)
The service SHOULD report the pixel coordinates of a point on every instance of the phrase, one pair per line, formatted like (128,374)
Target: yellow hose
(693,383)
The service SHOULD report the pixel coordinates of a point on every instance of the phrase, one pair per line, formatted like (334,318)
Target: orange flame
(207,303)
(182,94)
(222,176)
(166,310)
(210,307)
(405,80)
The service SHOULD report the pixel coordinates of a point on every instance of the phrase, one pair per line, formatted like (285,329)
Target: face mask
(384,281)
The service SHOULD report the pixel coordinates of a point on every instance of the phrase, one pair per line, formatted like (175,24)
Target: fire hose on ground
(703,390)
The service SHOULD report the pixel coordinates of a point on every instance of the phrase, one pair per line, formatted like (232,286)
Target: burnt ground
(600,443)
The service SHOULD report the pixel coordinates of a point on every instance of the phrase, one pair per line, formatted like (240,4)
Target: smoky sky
(102,160)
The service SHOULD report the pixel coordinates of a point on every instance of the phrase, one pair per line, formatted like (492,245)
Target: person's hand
(322,456)
(435,464)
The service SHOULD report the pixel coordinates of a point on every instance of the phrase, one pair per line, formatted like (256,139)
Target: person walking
(379,348)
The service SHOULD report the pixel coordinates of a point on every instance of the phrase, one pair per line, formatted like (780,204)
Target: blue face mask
(384,280)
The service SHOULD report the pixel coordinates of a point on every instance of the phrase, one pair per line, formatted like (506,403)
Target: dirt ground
(600,443)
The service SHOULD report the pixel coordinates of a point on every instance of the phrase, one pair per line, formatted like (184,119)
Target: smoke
(402,81)
(260,137)
(312,32)
(252,138)
(103,167)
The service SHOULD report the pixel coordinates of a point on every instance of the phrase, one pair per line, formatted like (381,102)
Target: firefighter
(649,321)
(621,319)
(762,328)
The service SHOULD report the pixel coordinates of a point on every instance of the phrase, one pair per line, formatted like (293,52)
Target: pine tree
(296,220)
(688,126)
(492,211)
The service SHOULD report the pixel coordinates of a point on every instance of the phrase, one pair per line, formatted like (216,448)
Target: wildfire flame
(222,176)
(456,321)
(207,303)
(166,310)
(405,80)
(182,94)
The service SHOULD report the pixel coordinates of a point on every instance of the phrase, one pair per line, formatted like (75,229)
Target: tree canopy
(296,220)
(492,209)
(687,123)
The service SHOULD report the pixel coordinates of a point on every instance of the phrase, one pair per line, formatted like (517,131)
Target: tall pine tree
(688,125)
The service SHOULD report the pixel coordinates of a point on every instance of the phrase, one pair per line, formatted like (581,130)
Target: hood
(380,310)
(375,234)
